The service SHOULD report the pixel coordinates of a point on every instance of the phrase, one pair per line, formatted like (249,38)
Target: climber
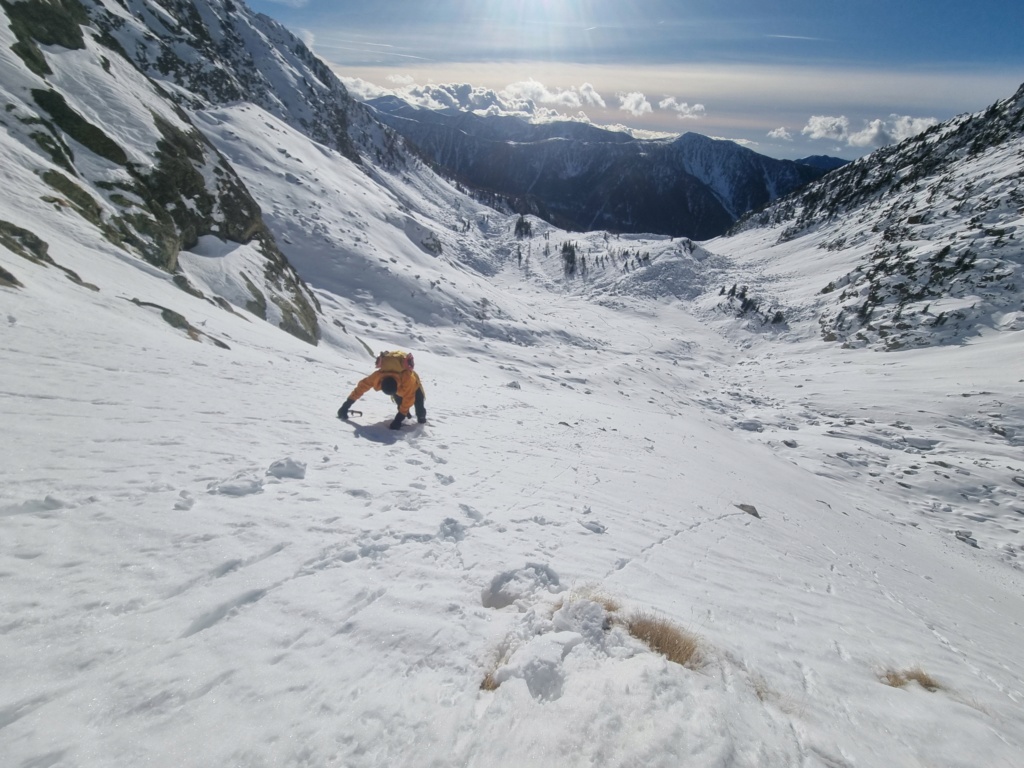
(396,378)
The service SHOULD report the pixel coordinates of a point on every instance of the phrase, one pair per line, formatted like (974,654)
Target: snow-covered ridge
(923,240)
(220,52)
(888,173)
(91,139)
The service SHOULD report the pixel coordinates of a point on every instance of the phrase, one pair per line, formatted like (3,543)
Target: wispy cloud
(686,111)
(797,37)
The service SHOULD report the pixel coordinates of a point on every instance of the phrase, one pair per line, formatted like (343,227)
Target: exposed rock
(750,509)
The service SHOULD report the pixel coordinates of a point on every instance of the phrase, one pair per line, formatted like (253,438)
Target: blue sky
(787,78)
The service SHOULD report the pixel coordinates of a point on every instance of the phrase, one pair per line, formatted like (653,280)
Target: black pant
(421,409)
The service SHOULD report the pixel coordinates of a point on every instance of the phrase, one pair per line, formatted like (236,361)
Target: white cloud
(567,98)
(363,89)
(462,96)
(741,142)
(780,134)
(904,127)
(637,133)
(528,99)
(686,111)
(635,103)
(876,133)
(533,91)
(825,127)
(873,135)
(553,116)
(591,97)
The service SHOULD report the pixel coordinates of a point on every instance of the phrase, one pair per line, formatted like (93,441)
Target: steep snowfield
(200,565)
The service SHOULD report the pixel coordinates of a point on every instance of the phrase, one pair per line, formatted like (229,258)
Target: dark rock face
(185,189)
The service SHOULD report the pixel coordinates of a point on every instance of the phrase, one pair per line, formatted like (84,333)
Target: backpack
(394,362)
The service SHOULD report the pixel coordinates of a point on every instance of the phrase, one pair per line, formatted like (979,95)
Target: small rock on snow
(965,536)
(750,509)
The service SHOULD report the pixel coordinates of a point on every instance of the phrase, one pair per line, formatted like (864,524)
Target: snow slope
(202,566)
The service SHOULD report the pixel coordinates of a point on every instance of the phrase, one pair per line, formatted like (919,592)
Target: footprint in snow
(237,486)
(471,512)
(452,530)
(35,506)
(287,468)
(526,583)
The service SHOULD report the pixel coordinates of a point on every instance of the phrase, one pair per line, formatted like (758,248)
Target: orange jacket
(408,383)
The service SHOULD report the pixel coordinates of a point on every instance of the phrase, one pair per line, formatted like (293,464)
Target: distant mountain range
(581,177)
(825,162)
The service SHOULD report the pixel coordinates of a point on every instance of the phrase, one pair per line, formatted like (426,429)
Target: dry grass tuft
(500,658)
(893,679)
(899,678)
(762,690)
(664,637)
(489,683)
(593,593)
(659,634)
